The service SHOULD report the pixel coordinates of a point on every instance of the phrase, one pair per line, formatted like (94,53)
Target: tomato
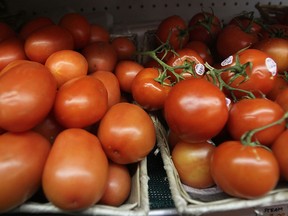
(111,84)
(192,162)
(248,114)
(126,71)
(76,171)
(282,99)
(125,47)
(41,43)
(11,49)
(148,92)
(205,27)
(66,65)
(277,49)
(79,27)
(22,159)
(260,72)
(246,21)
(80,102)
(119,185)
(232,39)
(175,29)
(196,99)
(27,93)
(189,59)
(33,24)
(281,84)
(172,139)
(6,31)
(239,170)
(98,33)
(126,133)
(280,150)
(100,56)
(202,49)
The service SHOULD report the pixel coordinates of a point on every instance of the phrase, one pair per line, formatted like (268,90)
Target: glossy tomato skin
(22,159)
(280,149)
(79,157)
(195,110)
(79,27)
(27,92)
(41,43)
(261,74)
(74,108)
(249,114)
(174,27)
(149,93)
(240,170)
(119,185)
(192,161)
(126,133)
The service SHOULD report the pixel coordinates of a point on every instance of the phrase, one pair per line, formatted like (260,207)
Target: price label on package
(280,210)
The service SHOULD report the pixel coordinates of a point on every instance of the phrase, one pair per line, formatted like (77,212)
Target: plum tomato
(125,47)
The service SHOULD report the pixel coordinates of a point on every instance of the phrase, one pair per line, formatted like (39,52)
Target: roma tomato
(239,170)
(41,43)
(100,55)
(119,185)
(98,33)
(126,71)
(147,91)
(79,27)
(124,47)
(175,29)
(280,150)
(249,114)
(22,159)
(195,110)
(76,171)
(282,99)
(27,93)
(80,102)
(66,65)
(192,162)
(126,133)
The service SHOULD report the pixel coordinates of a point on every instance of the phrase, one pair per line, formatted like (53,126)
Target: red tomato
(280,150)
(100,56)
(81,102)
(261,73)
(98,33)
(149,93)
(66,65)
(196,99)
(41,43)
(6,31)
(126,133)
(281,84)
(111,84)
(232,39)
(79,27)
(11,49)
(282,99)
(247,22)
(119,185)
(248,114)
(124,47)
(277,49)
(27,92)
(239,170)
(22,159)
(172,139)
(76,171)
(35,23)
(126,71)
(192,162)
(175,28)
(202,49)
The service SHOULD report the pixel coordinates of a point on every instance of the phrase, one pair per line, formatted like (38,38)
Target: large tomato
(80,102)
(41,43)
(126,133)
(244,171)
(27,93)
(76,171)
(249,114)
(192,161)
(195,110)
(22,159)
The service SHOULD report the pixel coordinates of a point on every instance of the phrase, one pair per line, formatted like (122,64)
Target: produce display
(82,108)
